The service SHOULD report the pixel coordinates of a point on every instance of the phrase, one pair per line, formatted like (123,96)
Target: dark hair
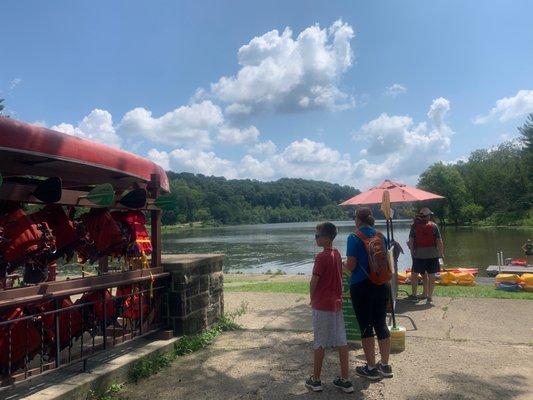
(364,214)
(327,229)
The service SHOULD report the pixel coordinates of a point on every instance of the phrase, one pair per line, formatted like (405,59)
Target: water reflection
(291,247)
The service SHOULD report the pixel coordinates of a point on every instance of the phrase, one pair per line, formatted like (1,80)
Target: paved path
(458,349)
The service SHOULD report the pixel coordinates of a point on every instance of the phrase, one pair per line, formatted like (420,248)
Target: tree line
(493,187)
(217,200)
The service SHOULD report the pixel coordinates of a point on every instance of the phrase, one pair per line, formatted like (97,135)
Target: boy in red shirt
(326,300)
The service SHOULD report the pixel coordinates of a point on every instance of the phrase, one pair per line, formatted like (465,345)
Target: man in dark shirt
(425,243)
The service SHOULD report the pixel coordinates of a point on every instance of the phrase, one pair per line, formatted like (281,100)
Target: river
(291,247)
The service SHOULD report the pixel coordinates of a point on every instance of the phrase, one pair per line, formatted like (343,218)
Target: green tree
(526,131)
(1,106)
(447,181)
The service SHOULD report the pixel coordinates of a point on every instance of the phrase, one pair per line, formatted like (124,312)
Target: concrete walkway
(458,349)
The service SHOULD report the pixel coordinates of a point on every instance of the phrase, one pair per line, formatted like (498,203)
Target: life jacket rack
(68,320)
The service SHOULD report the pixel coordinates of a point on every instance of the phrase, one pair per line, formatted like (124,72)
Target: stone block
(198,302)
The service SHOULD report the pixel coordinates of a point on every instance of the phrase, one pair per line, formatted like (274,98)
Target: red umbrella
(399,193)
(384,194)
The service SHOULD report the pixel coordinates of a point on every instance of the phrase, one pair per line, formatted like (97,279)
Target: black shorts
(423,265)
(370,302)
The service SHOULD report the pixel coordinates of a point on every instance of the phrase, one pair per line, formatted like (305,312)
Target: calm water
(291,247)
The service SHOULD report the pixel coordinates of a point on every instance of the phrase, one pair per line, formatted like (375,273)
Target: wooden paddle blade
(166,202)
(49,191)
(102,195)
(134,199)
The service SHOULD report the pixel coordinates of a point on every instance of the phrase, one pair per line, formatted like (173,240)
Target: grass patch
(440,291)
(186,345)
(148,366)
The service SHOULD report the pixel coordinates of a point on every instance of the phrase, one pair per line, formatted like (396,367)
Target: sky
(351,92)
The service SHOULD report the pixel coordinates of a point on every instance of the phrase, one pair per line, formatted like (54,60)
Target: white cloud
(407,148)
(14,83)
(97,126)
(193,160)
(289,74)
(237,109)
(187,125)
(233,135)
(508,108)
(251,167)
(300,159)
(395,89)
(264,148)
(160,157)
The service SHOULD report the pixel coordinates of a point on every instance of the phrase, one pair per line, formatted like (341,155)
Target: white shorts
(328,329)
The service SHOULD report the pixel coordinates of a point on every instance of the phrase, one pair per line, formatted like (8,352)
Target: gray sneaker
(365,372)
(343,384)
(314,384)
(384,370)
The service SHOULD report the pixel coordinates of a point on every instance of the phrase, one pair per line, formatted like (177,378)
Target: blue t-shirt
(356,248)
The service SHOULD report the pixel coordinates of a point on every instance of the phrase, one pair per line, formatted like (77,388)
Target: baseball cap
(424,211)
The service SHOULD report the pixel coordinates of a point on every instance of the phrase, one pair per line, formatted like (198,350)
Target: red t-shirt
(328,292)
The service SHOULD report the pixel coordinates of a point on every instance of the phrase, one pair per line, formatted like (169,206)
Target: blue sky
(346,91)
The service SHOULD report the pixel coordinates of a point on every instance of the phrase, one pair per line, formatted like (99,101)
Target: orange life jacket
(22,238)
(425,234)
(17,340)
(104,232)
(139,239)
(380,270)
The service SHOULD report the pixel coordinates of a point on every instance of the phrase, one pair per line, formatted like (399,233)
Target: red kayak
(75,160)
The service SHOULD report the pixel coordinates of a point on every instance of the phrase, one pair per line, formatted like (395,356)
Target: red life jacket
(378,262)
(21,339)
(425,234)
(139,239)
(132,306)
(62,227)
(97,310)
(104,231)
(22,237)
(70,323)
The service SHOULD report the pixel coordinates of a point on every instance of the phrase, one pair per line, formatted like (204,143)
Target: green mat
(353,333)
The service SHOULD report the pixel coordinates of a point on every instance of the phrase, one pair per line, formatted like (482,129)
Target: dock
(493,270)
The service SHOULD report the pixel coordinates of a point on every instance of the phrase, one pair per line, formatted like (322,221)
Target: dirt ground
(457,349)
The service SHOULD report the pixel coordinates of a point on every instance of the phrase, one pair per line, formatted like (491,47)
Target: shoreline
(204,225)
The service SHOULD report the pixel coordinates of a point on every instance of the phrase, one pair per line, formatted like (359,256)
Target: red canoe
(77,161)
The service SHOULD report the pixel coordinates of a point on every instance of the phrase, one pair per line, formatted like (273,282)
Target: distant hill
(243,201)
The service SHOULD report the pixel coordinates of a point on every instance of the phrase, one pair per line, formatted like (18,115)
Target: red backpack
(380,270)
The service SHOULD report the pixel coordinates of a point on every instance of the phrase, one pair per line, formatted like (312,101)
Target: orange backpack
(379,268)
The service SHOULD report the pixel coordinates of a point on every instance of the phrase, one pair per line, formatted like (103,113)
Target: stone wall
(195,298)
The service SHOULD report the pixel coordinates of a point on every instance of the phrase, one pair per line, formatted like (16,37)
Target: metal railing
(36,337)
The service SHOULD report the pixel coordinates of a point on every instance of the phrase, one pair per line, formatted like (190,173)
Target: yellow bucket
(397,339)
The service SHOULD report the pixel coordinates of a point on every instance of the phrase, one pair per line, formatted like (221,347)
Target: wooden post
(155,216)
(103,264)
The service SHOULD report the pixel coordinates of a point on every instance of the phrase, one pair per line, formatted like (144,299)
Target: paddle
(385,207)
(102,195)
(135,198)
(166,202)
(49,191)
